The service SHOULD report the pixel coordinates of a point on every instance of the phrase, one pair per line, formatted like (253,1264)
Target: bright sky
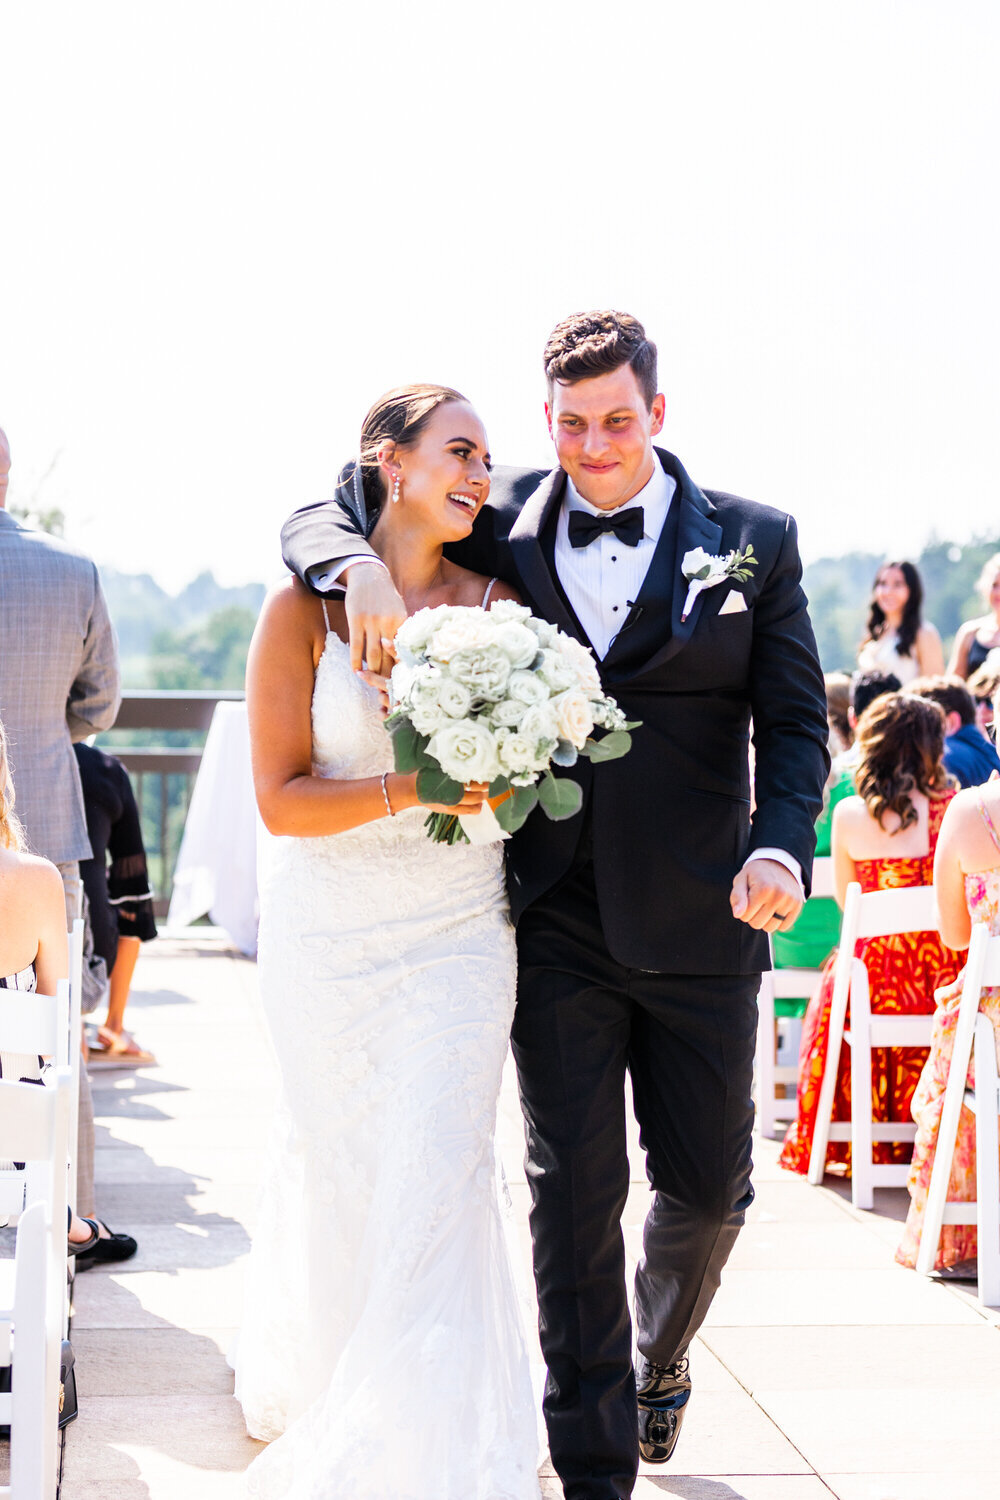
(227,227)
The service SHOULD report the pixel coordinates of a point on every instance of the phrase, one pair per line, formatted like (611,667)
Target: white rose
(546,632)
(508,609)
(517,754)
(701,564)
(574,719)
(558,673)
(517,642)
(414,633)
(428,718)
(467,630)
(508,713)
(527,687)
(466,751)
(483,669)
(400,683)
(583,664)
(454,697)
(539,727)
(425,687)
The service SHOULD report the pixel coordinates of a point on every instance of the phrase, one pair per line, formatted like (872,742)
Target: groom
(641,922)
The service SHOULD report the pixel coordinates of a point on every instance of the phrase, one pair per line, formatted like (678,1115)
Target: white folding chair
(782,984)
(972,1029)
(75,1043)
(34,1128)
(875,914)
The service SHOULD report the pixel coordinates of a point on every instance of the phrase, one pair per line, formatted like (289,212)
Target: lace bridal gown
(382,1355)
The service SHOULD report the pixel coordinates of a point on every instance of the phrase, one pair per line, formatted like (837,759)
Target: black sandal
(85,1246)
(105,1252)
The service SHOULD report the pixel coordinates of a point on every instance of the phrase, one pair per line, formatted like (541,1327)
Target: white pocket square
(734,603)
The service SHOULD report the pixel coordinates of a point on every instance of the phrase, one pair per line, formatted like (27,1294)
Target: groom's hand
(766,895)
(375,612)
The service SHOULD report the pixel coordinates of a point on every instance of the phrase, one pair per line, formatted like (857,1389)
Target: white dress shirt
(603,579)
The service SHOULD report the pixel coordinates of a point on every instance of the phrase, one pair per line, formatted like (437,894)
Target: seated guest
(884,838)
(976,639)
(967,882)
(968,755)
(34,955)
(984,685)
(838,703)
(808,942)
(120,900)
(899,640)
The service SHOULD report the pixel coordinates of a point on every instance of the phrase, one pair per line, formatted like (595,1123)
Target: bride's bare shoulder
(471,588)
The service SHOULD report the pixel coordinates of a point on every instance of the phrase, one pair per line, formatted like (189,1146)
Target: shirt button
(614,609)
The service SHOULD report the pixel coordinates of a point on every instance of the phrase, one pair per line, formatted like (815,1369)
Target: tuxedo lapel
(696,527)
(529,556)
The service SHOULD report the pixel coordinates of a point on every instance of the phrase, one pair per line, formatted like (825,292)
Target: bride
(381,1354)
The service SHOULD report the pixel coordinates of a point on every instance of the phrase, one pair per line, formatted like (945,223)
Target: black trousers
(688,1043)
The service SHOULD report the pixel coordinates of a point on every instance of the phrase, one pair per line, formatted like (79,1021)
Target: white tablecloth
(216,870)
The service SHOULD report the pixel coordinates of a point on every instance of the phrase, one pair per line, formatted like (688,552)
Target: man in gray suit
(59,682)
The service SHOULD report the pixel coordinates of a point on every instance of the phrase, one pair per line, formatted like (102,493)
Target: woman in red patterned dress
(885,839)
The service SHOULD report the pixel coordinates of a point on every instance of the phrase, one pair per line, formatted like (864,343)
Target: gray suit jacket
(59,681)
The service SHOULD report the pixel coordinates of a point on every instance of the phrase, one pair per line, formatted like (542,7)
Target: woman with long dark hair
(885,839)
(898,639)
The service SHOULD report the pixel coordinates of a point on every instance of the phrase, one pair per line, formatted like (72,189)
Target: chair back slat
(883,913)
(981,969)
(29,1022)
(822,876)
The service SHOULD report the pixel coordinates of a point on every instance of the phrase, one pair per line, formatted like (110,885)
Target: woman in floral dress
(967,878)
(885,839)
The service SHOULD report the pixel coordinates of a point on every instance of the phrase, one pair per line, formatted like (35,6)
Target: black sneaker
(663,1392)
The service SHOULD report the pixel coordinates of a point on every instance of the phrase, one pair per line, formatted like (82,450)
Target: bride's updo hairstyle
(400,417)
(900,740)
(11,832)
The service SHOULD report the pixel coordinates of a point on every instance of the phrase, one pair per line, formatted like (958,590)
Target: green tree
(211,654)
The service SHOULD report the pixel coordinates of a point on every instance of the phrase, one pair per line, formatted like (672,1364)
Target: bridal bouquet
(502,697)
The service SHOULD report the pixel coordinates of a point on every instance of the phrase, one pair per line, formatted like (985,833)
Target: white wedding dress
(382,1353)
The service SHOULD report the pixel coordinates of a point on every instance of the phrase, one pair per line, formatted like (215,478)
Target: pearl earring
(395,490)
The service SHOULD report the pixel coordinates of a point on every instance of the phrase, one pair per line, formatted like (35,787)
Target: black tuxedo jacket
(670,823)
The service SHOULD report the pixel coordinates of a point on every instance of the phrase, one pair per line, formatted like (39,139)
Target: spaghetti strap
(489,590)
(326,617)
(987,819)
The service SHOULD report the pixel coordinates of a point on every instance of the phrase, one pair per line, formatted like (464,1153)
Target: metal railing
(163,772)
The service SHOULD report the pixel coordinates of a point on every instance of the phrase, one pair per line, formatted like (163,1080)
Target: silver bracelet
(385,794)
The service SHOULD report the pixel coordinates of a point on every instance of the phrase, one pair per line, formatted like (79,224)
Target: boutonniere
(703,570)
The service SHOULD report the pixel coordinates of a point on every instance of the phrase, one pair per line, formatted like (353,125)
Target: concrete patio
(824,1369)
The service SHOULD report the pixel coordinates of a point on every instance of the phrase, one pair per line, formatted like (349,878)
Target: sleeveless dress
(904,971)
(958,1241)
(382,1353)
(883,656)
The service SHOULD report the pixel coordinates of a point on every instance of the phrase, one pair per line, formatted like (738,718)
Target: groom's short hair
(588,344)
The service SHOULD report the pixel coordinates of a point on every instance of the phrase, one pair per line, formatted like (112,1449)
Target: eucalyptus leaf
(559,797)
(512,814)
(498,787)
(433,785)
(408,748)
(612,747)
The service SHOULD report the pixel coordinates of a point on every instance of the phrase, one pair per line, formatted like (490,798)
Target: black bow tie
(627,526)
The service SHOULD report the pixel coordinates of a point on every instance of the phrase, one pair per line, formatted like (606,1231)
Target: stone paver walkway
(824,1369)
